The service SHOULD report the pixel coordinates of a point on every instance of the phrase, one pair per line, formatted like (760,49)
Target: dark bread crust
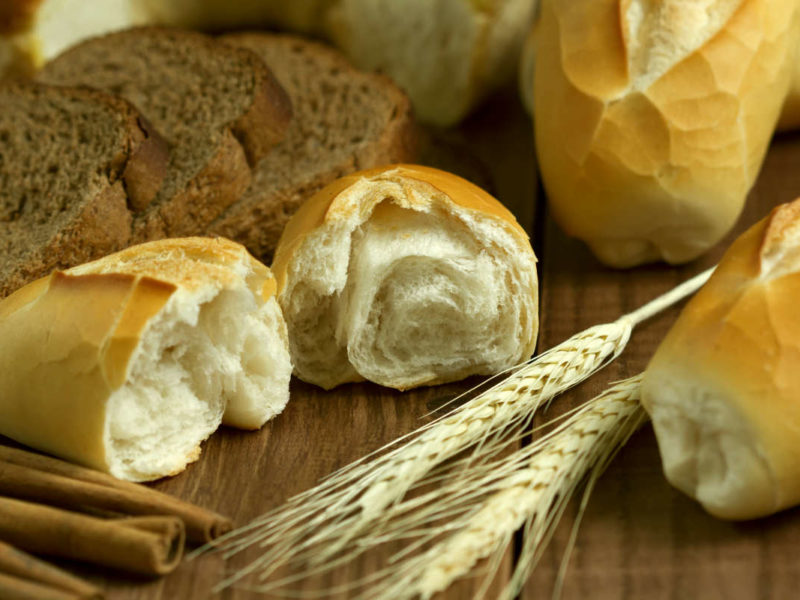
(265,124)
(100,220)
(259,216)
(223,179)
(147,166)
(16,15)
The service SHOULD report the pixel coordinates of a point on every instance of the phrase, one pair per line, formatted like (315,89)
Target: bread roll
(126,364)
(405,276)
(652,117)
(723,388)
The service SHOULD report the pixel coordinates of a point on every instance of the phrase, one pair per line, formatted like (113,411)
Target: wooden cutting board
(639,537)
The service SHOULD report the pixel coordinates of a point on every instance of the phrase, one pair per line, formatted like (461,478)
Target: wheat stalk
(531,487)
(318,525)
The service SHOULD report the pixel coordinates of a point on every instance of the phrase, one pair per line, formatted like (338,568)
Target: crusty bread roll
(723,388)
(126,364)
(405,276)
(652,117)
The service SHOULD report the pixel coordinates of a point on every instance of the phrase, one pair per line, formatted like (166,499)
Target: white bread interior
(212,348)
(723,388)
(652,118)
(393,277)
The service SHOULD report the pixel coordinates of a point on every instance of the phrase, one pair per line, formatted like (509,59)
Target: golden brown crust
(318,209)
(647,159)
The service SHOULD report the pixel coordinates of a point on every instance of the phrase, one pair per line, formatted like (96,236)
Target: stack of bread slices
(151,133)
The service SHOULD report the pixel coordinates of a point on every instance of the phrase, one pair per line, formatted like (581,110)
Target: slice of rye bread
(344,120)
(219,108)
(74,165)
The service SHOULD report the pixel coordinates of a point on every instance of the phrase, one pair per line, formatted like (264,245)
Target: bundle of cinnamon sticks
(54,508)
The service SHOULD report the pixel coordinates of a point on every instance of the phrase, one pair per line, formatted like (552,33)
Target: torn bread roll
(126,364)
(405,276)
(652,118)
(723,388)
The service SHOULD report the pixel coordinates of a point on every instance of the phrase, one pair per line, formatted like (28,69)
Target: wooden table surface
(639,538)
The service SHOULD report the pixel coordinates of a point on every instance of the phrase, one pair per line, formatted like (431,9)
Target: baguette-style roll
(405,276)
(723,388)
(652,118)
(126,364)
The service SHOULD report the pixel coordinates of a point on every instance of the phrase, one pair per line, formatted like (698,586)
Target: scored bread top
(74,163)
(652,118)
(189,263)
(344,120)
(218,107)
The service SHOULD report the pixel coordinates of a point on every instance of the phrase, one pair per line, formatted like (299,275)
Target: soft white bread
(652,118)
(446,54)
(126,364)
(405,276)
(723,388)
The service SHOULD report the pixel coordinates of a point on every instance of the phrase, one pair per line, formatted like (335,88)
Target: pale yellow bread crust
(655,170)
(69,337)
(323,206)
(738,339)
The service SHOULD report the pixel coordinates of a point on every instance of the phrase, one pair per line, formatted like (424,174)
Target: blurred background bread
(650,130)
(128,363)
(723,388)
(405,276)
(467,48)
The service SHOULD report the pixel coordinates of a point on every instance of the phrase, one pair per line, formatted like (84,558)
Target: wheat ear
(530,487)
(318,524)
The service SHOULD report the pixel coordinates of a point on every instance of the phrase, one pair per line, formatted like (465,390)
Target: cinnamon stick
(36,477)
(19,571)
(16,588)
(144,545)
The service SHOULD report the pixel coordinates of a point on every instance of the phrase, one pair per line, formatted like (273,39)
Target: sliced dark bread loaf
(73,162)
(219,108)
(344,120)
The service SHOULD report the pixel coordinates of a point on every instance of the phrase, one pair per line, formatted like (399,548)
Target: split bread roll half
(405,276)
(723,388)
(126,364)
(652,118)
